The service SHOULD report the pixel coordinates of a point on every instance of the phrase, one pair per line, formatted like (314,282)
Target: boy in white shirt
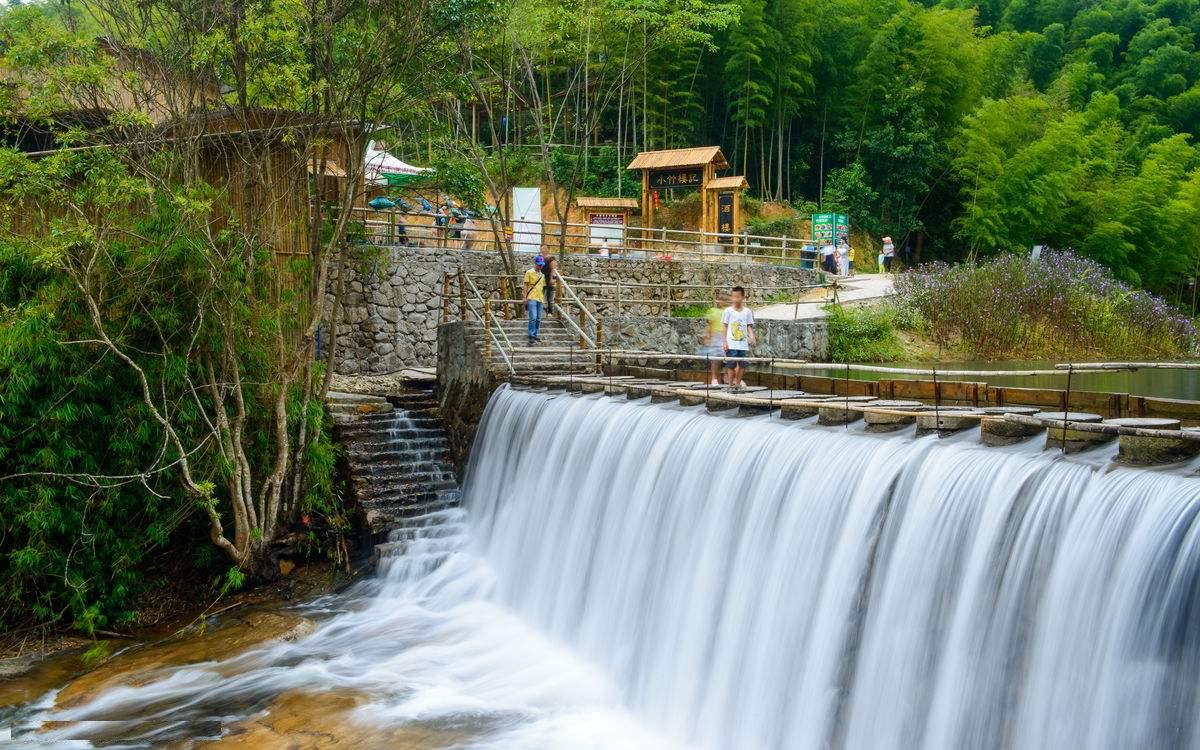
(739,335)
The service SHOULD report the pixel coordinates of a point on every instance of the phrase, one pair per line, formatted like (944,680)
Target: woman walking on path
(551,272)
(889,252)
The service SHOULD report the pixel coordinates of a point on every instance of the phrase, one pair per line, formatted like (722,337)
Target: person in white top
(827,258)
(604,248)
(843,256)
(738,321)
(889,252)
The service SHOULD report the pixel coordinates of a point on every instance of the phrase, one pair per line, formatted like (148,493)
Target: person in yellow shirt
(713,343)
(535,296)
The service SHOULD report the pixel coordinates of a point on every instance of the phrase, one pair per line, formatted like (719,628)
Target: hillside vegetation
(962,128)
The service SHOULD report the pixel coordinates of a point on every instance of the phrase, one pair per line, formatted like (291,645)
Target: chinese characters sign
(677,178)
(828,228)
(725,226)
(606,218)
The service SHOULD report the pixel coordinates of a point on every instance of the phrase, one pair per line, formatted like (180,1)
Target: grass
(690,311)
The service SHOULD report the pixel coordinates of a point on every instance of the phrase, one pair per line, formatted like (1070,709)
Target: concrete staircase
(556,351)
(400,468)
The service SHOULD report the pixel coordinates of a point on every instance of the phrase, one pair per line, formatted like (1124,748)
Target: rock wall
(785,339)
(392,300)
(464,385)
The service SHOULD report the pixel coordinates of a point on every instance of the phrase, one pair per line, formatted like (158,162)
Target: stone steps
(369,449)
(556,351)
(397,452)
(432,479)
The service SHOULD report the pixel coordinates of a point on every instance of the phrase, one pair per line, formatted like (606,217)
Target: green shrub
(1062,305)
(788,226)
(863,334)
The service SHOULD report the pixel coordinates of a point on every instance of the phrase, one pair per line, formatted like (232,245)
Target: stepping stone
(669,391)
(1068,440)
(995,430)
(600,383)
(769,400)
(643,388)
(801,408)
(1138,450)
(1026,411)
(946,420)
(836,410)
(621,386)
(880,422)
(721,399)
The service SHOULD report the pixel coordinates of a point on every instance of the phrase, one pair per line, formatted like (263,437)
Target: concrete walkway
(859,288)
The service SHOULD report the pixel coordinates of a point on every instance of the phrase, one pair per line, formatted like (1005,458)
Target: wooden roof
(619,203)
(331,167)
(736,182)
(680,157)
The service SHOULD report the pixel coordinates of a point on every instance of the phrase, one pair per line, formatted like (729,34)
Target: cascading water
(650,576)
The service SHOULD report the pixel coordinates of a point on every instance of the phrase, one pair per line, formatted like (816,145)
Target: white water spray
(645,576)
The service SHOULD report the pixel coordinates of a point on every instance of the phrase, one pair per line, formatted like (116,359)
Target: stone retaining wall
(393,300)
(464,386)
(785,339)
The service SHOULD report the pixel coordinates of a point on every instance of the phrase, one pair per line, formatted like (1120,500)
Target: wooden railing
(392,227)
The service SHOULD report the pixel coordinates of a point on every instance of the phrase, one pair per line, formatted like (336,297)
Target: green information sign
(828,228)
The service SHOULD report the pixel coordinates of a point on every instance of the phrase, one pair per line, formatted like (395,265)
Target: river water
(636,576)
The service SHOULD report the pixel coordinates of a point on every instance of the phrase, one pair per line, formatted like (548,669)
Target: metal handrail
(500,345)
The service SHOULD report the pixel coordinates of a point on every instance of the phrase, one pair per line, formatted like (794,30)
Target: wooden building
(725,206)
(678,169)
(606,219)
(278,168)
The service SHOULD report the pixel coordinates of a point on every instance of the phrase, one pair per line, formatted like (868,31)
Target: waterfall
(754,583)
(626,575)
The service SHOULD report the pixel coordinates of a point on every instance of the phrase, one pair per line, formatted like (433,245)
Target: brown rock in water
(299,720)
(140,664)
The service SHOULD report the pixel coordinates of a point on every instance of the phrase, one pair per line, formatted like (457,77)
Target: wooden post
(646,206)
(446,298)
(704,201)
(462,293)
(487,331)
(582,323)
(504,296)
(618,301)
(737,194)
(599,342)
